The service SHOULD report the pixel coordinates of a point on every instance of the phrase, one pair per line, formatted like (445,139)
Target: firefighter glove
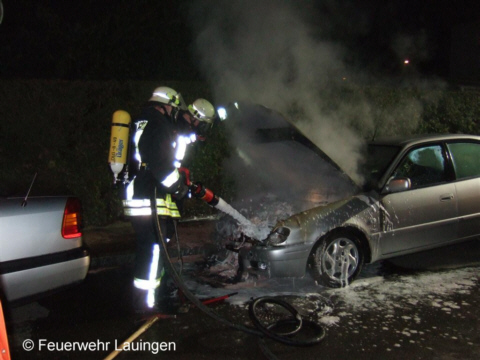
(181,187)
(197,190)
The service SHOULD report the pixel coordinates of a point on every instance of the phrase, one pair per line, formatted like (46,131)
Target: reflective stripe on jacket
(141,207)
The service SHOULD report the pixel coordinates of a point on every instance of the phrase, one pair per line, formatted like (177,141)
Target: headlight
(278,236)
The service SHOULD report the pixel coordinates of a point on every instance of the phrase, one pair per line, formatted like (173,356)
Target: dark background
(95,39)
(153,40)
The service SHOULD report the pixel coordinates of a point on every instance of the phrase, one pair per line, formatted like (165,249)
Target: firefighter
(161,136)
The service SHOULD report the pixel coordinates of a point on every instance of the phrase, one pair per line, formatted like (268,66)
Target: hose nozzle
(201,192)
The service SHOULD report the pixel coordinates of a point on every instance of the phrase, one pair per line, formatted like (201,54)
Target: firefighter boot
(165,298)
(143,302)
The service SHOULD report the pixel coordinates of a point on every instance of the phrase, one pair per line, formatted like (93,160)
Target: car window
(466,159)
(378,159)
(423,166)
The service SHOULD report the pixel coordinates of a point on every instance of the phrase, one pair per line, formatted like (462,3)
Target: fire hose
(117,158)
(260,330)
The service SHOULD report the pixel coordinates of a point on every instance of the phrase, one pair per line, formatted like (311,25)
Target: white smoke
(275,53)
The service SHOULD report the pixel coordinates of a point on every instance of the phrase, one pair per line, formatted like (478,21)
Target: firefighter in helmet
(161,136)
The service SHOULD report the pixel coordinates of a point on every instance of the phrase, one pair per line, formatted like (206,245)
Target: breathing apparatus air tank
(117,156)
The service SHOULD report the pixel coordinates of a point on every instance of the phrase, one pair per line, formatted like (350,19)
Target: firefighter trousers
(149,255)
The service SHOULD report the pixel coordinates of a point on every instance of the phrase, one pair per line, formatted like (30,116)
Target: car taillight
(72,219)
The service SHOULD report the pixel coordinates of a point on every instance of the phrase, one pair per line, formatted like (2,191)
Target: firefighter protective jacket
(159,150)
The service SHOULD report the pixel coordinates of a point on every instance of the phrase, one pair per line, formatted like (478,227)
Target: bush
(61,130)
(454,112)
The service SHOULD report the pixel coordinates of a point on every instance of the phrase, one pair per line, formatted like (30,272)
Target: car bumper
(288,261)
(27,277)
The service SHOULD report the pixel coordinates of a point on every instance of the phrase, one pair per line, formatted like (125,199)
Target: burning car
(420,192)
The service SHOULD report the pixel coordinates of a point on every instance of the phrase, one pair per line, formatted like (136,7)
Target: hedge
(61,131)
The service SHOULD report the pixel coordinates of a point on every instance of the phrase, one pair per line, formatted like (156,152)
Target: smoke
(264,52)
(280,54)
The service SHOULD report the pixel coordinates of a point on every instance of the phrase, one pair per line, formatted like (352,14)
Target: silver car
(422,192)
(41,246)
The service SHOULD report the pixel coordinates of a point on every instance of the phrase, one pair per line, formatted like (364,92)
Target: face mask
(176,114)
(183,125)
(202,129)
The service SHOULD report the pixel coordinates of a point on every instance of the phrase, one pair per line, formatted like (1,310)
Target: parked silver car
(422,192)
(41,245)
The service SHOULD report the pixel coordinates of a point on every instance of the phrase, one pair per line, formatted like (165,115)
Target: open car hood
(273,156)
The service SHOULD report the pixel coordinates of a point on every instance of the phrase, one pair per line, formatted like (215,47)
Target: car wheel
(337,260)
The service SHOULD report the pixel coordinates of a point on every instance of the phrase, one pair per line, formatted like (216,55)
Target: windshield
(378,159)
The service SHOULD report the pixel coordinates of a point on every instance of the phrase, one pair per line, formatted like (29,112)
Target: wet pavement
(425,306)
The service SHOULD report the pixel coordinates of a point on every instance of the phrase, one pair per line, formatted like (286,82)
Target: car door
(466,163)
(425,214)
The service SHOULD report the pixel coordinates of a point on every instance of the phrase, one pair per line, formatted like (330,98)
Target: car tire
(337,259)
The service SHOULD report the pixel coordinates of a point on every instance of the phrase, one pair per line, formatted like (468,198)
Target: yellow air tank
(117,155)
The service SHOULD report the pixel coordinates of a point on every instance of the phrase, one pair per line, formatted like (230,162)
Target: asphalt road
(425,306)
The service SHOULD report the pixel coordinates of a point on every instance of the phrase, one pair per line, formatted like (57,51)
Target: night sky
(152,39)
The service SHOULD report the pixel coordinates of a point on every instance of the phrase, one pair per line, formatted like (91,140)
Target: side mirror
(395,185)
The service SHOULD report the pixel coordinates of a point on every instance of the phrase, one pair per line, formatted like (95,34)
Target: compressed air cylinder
(117,156)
